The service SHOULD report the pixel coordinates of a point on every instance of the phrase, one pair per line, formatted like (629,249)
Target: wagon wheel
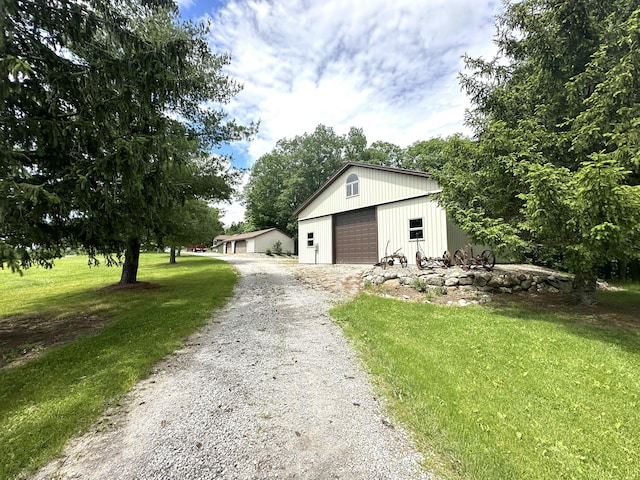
(460,258)
(403,261)
(390,262)
(383,262)
(488,259)
(419,259)
(446,258)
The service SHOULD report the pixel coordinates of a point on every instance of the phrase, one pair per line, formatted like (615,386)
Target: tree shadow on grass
(615,319)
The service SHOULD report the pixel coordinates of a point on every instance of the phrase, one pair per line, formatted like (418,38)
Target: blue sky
(389,67)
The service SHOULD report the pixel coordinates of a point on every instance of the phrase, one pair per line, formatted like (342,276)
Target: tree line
(297,167)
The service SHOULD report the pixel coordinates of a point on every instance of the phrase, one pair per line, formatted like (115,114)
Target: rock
(451,282)
(465,281)
(436,280)
(510,280)
(526,284)
(495,281)
(505,290)
(480,281)
(565,286)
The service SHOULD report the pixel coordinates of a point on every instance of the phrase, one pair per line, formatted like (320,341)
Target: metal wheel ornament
(488,259)
(460,258)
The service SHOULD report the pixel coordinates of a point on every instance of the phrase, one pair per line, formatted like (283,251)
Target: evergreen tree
(555,165)
(102,103)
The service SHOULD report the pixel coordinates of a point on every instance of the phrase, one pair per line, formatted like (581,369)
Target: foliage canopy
(555,164)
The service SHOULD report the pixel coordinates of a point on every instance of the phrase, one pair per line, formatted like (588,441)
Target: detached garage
(365,210)
(254,242)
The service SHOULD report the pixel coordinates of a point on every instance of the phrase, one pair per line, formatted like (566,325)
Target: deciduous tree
(284,178)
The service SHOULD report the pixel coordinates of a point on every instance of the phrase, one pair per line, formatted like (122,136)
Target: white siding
(375,187)
(251,245)
(322,229)
(393,227)
(268,240)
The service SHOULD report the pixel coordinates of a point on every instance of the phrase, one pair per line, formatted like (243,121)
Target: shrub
(420,284)
(268,252)
(288,254)
(277,248)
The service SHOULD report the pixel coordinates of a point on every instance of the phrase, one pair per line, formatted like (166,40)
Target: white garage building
(364,210)
(254,242)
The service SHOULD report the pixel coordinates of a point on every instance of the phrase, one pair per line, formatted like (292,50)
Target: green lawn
(509,391)
(49,399)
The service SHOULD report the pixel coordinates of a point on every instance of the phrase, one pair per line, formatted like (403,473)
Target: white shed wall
(251,245)
(375,187)
(322,229)
(393,227)
(267,240)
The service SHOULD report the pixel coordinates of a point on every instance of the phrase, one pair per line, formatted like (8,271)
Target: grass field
(48,399)
(509,391)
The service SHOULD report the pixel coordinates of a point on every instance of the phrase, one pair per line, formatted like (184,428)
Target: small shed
(254,242)
(366,211)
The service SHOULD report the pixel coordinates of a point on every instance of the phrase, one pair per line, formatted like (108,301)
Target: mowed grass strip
(509,392)
(57,395)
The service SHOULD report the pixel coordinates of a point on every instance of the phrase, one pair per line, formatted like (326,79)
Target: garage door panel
(356,236)
(241,246)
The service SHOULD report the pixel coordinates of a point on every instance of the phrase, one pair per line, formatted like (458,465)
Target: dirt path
(269,389)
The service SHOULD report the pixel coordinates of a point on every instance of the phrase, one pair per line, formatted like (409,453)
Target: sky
(389,67)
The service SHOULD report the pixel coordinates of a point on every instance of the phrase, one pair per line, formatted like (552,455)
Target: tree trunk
(635,270)
(622,269)
(584,287)
(131,259)
(172,255)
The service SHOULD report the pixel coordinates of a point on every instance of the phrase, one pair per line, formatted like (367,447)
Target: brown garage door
(241,246)
(356,236)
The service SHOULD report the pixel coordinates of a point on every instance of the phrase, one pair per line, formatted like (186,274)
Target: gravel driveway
(269,389)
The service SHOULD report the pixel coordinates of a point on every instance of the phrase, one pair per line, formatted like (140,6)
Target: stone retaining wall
(503,279)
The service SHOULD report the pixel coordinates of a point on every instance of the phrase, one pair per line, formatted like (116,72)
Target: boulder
(436,280)
(451,282)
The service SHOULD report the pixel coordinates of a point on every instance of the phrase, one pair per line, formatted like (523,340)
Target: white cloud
(184,4)
(233,211)
(390,68)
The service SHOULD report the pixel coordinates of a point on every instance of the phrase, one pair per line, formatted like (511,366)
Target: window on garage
(310,239)
(352,185)
(416,231)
